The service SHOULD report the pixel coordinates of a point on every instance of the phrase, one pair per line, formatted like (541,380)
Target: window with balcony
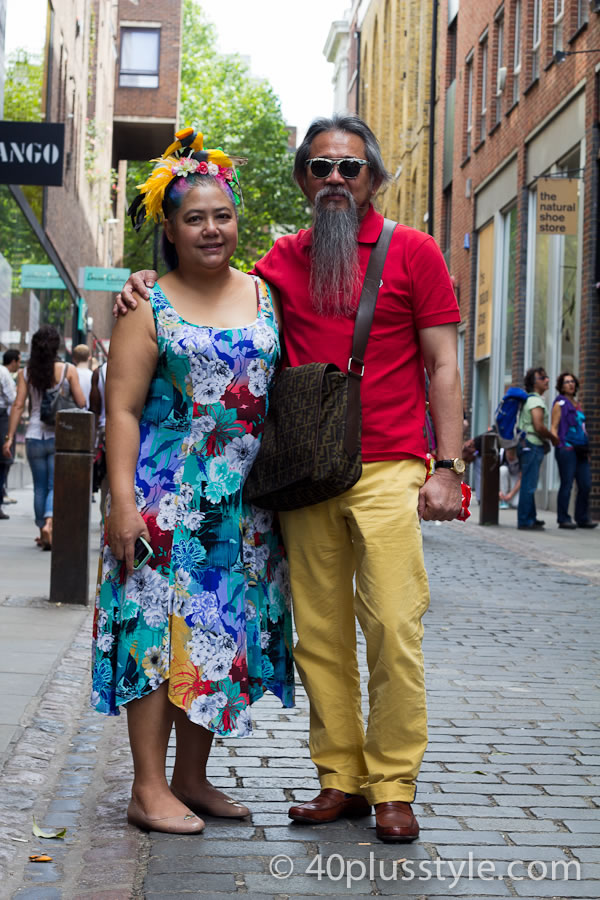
(516,60)
(140,56)
(536,39)
(558,25)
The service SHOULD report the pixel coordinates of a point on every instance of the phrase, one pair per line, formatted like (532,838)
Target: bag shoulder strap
(362,328)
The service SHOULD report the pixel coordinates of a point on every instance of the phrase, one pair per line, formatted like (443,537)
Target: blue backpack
(506,417)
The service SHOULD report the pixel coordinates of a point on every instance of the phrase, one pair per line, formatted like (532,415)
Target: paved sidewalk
(511,775)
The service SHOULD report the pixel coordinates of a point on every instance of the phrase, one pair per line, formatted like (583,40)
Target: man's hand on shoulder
(440,498)
(138,282)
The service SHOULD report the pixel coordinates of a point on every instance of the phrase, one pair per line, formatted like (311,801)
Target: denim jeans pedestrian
(40,454)
(573,466)
(530,457)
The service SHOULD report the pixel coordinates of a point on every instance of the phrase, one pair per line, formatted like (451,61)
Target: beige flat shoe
(189,824)
(221,806)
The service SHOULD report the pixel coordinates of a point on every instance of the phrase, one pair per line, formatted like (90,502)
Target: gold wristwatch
(456,465)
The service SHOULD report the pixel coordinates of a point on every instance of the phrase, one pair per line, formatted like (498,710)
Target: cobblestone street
(508,796)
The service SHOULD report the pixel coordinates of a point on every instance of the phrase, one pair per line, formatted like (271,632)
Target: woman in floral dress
(204,629)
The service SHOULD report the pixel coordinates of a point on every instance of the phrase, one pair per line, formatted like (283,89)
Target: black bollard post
(69,570)
(490,480)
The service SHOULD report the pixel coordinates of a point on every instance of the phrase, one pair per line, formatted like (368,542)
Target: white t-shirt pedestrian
(85,380)
(8,390)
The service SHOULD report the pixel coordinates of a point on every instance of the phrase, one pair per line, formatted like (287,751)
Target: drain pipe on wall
(432,85)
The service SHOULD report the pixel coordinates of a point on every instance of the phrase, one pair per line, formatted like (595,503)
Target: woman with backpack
(42,373)
(572,453)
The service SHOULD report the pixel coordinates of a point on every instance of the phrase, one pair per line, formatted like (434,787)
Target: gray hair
(351,124)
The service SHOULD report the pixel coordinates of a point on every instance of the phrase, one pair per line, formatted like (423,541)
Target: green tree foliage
(23,87)
(23,92)
(138,251)
(240,113)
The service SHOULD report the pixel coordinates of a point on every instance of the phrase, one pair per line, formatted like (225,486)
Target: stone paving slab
(511,773)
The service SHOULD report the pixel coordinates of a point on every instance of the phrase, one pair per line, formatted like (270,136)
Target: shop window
(558,25)
(140,57)
(509,256)
(536,39)
(556,288)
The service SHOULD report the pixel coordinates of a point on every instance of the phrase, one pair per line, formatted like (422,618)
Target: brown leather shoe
(395,822)
(329,806)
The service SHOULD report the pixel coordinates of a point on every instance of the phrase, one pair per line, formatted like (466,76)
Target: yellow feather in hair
(155,186)
(219,159)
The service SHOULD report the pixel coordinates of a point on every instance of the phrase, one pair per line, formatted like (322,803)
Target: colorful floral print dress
(211,611)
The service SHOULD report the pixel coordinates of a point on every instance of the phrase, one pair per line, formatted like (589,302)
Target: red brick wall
(537,101)
(163,101)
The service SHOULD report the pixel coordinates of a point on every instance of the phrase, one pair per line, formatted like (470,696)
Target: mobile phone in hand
(142,553)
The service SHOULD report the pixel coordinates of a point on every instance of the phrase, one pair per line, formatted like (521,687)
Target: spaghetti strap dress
(210,612)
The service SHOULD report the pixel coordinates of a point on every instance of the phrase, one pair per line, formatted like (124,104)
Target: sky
(283,40)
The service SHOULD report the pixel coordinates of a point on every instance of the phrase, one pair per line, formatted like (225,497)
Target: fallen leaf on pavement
(40,857)
(54,833)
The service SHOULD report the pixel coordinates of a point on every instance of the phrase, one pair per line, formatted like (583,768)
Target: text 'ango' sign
(32,153)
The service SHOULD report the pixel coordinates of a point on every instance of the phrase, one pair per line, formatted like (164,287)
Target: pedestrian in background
(510,478)
(8,392)
(98,407)
(572,453)
(43,371)
(81,361)
(533,420)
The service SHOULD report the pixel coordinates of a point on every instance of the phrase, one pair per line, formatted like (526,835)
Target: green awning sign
(42,278)
(95,278)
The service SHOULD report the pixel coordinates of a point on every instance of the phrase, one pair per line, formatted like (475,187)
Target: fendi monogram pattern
(302,460)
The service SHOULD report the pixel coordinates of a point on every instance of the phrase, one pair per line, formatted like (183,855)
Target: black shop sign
(32,153)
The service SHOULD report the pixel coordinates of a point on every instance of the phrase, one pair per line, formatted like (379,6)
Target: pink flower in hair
(202,168)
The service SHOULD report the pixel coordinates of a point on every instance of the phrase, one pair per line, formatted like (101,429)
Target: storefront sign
(42,278)
(483,321)
(31,153)
(10,337)
(94,278)
(557,205)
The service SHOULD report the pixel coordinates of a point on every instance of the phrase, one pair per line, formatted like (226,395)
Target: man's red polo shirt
(416,293)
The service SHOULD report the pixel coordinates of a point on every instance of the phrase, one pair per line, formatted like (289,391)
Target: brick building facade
(111,76)
(394,100)
(80,78)
(520,126)
(378,51)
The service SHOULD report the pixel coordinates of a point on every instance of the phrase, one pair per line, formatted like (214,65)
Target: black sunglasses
(348,166)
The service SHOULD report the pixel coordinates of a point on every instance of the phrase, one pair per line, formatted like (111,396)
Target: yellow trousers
(371,531)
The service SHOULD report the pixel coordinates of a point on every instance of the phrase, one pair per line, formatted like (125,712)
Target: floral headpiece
(185,156)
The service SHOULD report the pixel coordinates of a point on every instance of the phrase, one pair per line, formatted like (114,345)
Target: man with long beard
(360,554)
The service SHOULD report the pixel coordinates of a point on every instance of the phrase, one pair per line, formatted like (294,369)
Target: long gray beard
(334,270)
